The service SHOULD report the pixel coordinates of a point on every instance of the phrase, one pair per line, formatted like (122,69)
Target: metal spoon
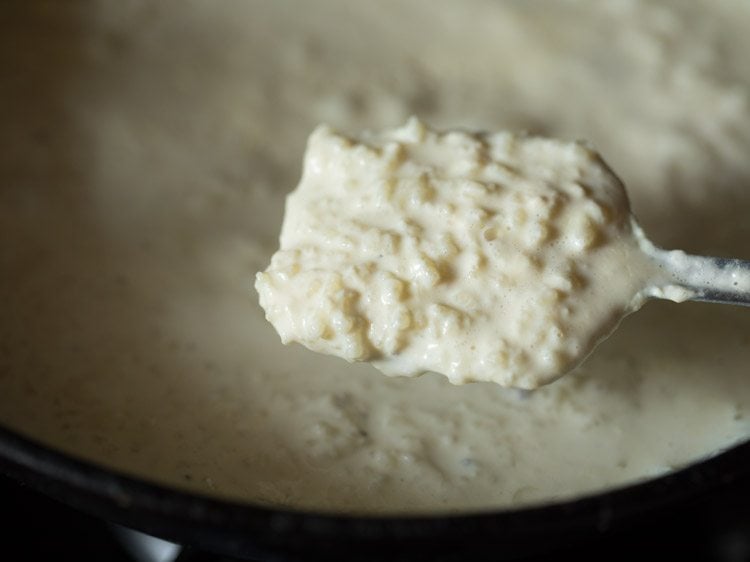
(699,278)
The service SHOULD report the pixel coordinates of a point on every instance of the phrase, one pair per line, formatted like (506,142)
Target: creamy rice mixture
(484,257)
(148,148)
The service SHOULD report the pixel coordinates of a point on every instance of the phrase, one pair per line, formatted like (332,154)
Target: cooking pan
(671,508)
(673,505)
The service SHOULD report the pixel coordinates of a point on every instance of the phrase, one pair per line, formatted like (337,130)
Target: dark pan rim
(241,529)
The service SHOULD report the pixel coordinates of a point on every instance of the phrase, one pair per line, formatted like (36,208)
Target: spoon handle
(703,278)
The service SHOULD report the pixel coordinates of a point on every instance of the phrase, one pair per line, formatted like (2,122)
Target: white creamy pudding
(484,257)
(148,150)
